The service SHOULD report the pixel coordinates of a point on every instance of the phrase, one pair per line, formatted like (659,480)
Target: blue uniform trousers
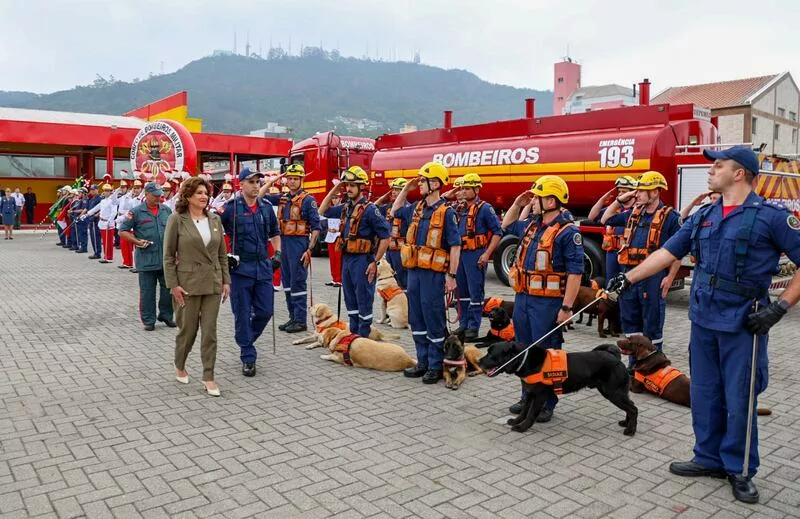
(400,273)
(612,266)
(720,364)
(72,240)
(470,279)
(148,279)
(94,237)
(533,318)
(358,293)
(642,311)
(293,276)
(426,316)
(83,235)
(62,234)
(252,304)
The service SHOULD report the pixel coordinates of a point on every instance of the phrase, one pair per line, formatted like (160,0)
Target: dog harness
(390,293)
(338,324)
(492,303)
(506,334)
(553,373)
(657,381)
(343,347)
(455,363)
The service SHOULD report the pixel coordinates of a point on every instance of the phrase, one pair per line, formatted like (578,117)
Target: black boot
(249,369)
(169,322)
(415,372)
(517,408)
(470,334)
(432,376)
(545,415)
(691,469)
(458,330)
(283,326)
(296,327)
(743,488)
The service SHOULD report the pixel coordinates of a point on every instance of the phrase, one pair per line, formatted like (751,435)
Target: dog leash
(448,301)
(548,334)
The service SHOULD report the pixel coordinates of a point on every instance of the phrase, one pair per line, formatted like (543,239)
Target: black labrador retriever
(600,368)
(500,326)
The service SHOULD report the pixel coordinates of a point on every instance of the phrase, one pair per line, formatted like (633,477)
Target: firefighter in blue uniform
(397,230)
(250,223)
(547,271)
(647,226)
(736,242)
(363,238)
(80,228)
(480,233)
(430,254)
(612,237)
(94,221)
(298,218)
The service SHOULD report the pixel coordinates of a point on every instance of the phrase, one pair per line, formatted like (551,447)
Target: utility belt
(294,228)
(733,287)
(537,282)
(396,243)
(475,242)
(422,257)
(252,256)
(631,257)
(355,245)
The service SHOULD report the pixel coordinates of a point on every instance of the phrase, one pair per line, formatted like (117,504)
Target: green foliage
(317,92)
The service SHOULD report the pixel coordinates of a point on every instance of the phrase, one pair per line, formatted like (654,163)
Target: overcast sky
(53,45)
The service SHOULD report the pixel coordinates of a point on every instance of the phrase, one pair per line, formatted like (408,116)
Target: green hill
(317,92)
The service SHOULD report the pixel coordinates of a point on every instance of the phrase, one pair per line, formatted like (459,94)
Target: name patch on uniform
(793,222)
(577,239)
(706,224)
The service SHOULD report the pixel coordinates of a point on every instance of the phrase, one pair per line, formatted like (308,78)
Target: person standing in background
(334,252)
(8,210)
(19,201)
(30,205)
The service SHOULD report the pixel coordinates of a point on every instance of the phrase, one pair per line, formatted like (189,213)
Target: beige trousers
(197,312)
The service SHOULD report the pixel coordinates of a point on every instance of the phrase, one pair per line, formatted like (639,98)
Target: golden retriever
(394,303)
(366,353)
(324,319)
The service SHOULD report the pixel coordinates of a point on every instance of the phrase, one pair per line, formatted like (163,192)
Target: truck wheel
(593,261)
(504,257)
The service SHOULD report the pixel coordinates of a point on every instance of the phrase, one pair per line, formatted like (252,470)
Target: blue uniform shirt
(451,236)
(91,203)
(249,233)
(486,220)
(639,241)
(372,222)
(567,249)
(774,231)
(77,206)
(384,210)
(308,209)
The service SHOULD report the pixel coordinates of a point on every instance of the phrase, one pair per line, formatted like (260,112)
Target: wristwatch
(451,275)
(565,308)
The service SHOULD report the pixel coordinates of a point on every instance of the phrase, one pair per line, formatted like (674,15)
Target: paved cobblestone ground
(92,423)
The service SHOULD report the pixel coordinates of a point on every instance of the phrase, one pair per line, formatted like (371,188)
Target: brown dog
(604,310)
(460,361)
(362,352)
(653,372)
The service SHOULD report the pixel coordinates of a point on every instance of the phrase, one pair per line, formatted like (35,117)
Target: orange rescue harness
(658,381)
(542,280)
(295,225)
(629,256)
(473,241)
(553,373)
(611,240)
(390,293)
(396,239)
(338,324)
(353,244)
(430,256)
(506,334)
(492,303)
(343,347)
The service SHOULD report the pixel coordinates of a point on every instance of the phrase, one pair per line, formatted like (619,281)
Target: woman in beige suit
(196,272)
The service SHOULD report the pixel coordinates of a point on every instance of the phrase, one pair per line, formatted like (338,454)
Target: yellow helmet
(227,187)
(472,180)
(355,175)
(626,182)
(295,170)
(459,182)
(107,187)
(552,185)
(651,180)
(435,170)
(398,183)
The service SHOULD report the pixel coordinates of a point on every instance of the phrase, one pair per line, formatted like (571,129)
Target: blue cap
(741,154)
(153,189)
(247,173)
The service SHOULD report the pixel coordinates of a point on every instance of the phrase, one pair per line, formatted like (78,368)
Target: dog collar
(460,363)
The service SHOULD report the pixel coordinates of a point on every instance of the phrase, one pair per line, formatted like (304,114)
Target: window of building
(782,112)
(560,80)
(753,124)
(794,135)
(119,165)
(793,116)
(560,98)
(777,132)
(32,166)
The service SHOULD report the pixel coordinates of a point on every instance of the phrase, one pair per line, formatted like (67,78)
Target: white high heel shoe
(182,380)
(211,392)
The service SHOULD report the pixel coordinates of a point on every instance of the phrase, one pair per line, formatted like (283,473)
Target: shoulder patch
(313,203)
(793,222)
(577,239)
(377,213)
(130,215)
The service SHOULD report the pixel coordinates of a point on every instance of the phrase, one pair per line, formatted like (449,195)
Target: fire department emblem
(793,222)
(163,147)
(577,238)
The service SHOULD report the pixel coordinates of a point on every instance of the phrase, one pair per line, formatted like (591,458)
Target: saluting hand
(523,199)
(178,293)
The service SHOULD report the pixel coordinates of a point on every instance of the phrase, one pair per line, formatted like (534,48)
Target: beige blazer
(198,268)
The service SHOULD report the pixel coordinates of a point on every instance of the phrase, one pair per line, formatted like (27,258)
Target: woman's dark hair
(187,191)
